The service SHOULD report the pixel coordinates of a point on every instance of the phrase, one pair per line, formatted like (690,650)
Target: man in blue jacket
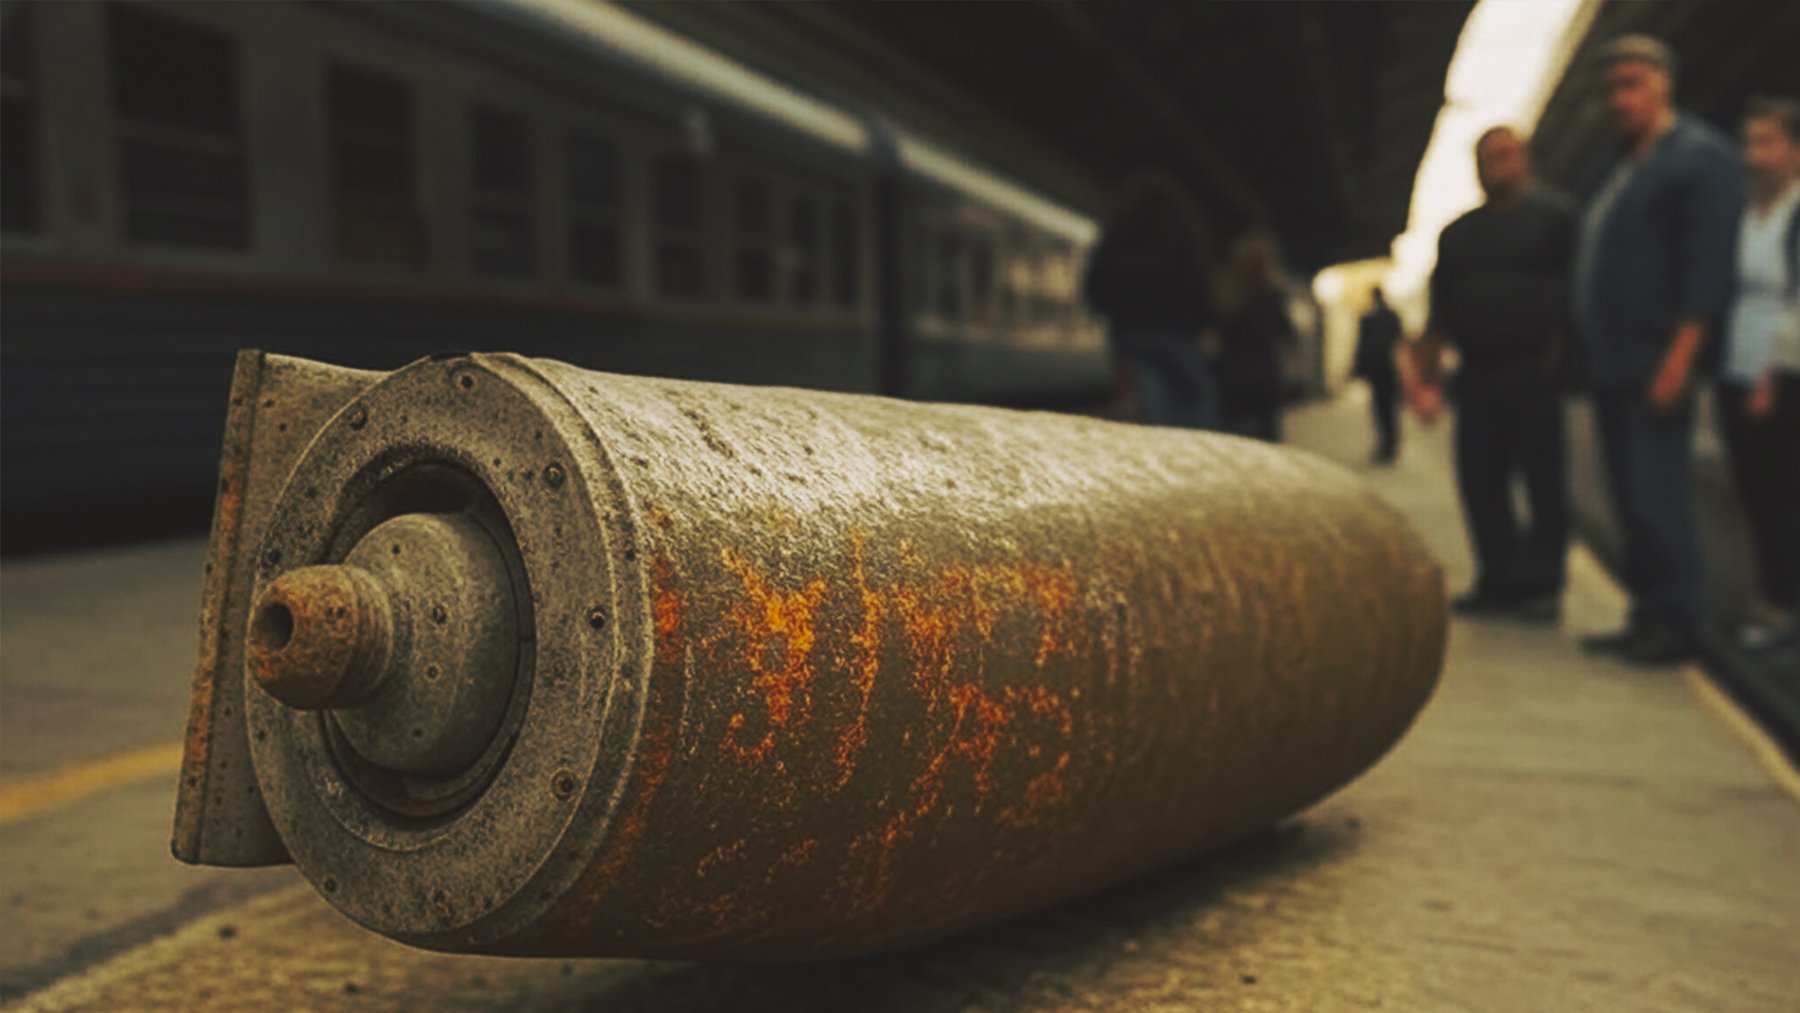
(1653,280)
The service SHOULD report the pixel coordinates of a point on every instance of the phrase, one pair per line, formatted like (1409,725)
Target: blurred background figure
(1653,281)
(1377,341)
(1256,336)
(1759,389)
(1147,276)
(1500,295)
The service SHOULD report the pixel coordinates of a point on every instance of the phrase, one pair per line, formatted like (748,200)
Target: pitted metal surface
(805,674)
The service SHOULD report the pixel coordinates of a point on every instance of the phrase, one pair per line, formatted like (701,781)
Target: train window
(175,91)
(950,276)
(1015,277)
(981,277)
(918,268)
(502,241)
(18,125)
(755,235)
(1055,288)
(675,216)
(803,249)
(846,262)
(596,239)
(373,179)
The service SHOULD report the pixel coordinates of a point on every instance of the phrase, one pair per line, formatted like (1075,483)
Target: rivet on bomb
(563,784)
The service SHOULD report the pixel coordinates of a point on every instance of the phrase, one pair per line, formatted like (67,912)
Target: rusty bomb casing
(509,657)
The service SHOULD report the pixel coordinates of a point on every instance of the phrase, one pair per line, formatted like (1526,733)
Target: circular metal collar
(464,856)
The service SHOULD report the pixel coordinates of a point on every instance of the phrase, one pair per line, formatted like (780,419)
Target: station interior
(855,212)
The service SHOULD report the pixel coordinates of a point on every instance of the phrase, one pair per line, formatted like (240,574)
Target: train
(370,183)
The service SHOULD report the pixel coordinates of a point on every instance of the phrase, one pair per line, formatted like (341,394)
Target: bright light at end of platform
(1510,58)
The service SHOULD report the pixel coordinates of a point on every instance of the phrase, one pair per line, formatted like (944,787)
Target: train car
(368,183)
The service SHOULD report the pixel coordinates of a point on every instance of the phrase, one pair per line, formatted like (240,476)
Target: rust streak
(657,745)
(779,633)
(1044,791)
(867,641)
(659,748)
(721,854)
(667,606)
(226,527)
(1054,593)
(800,854)
(961,606)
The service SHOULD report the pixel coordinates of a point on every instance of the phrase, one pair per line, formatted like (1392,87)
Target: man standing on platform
(1500,294)
(1653,280)
(1759,390)
(1377,340)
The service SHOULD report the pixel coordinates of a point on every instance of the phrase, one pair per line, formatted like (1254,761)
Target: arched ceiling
(1308,117)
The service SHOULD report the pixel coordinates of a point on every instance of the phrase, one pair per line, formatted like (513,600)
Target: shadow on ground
(1152,923)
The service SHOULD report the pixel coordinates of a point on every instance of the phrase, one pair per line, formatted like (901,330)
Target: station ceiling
(1307,117)
(1310,117)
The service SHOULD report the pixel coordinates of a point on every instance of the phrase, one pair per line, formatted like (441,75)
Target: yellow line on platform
(27,796)
(1765,749)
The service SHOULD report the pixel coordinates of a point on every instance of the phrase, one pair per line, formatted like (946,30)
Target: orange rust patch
(796,855)
(1045,703)
(985,718)
(1045,790)
(947,623)
(621,847)
(723,853)
(778,628)
(1054,592)
(667,607)
(724,909)
(867,641)
(226,535)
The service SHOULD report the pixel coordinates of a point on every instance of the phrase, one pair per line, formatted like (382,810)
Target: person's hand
(1762,398)
(1427,402)
(1669,387)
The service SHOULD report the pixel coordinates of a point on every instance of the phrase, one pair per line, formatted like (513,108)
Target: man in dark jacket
(1377,340)
(1148,278)
(1500,294)
(1653,279)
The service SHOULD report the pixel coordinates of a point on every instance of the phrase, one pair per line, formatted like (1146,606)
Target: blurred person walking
(1377,343)
(1653,280)
(1256,335)
(1500,295)
(1759,388)
(1147,276)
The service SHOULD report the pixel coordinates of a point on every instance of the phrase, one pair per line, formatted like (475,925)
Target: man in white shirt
(1759,386)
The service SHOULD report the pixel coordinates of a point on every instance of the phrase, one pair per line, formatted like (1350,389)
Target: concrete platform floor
(1556,833)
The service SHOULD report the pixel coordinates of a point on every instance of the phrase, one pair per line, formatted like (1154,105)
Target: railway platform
(1557,832)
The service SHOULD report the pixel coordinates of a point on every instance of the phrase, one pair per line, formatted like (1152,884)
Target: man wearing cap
(1653,280)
